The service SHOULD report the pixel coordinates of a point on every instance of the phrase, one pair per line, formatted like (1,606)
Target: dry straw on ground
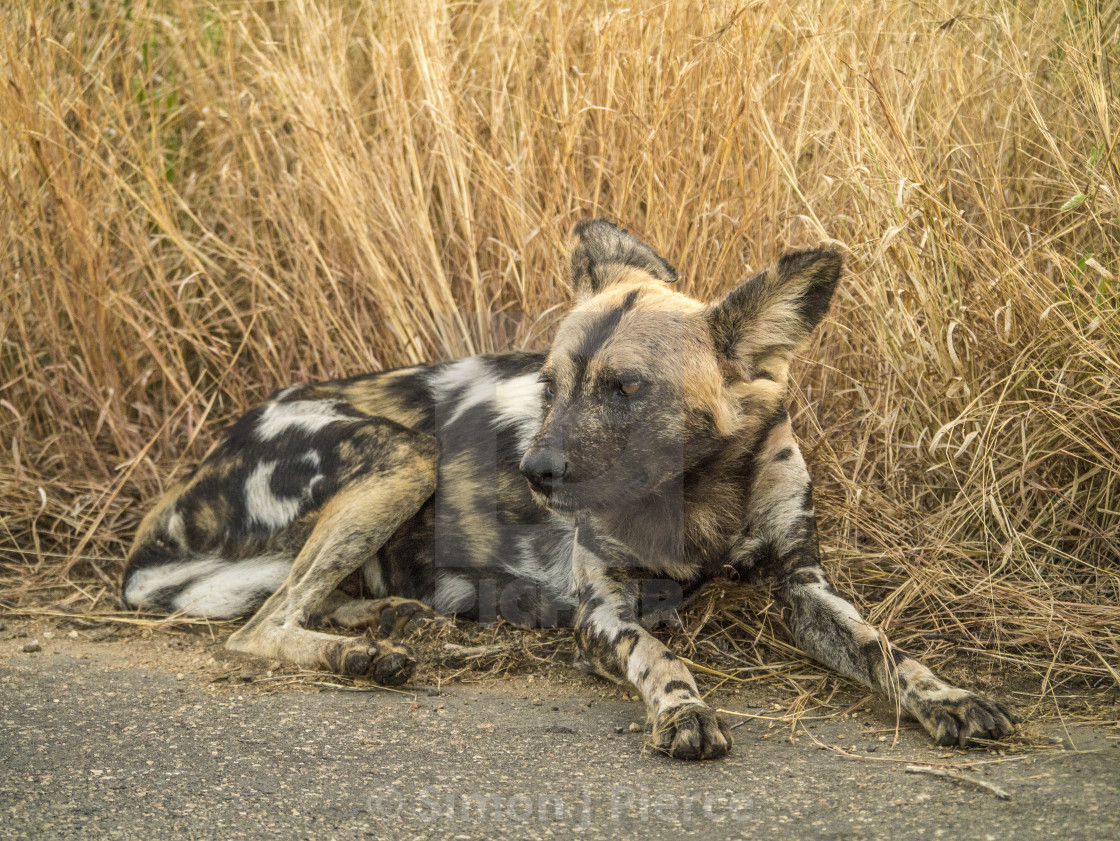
(202,202)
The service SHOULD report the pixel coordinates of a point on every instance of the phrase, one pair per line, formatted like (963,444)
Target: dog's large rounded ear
(762,321)
(600,248)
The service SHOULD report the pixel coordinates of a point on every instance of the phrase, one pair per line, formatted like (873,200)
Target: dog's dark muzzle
(545,469)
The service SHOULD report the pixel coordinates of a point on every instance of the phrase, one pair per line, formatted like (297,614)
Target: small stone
(635,727)
(556,709)
(537,702)
(32,647)
(73,635)
(180,676)
(3,626)
(619,729)
(872,748)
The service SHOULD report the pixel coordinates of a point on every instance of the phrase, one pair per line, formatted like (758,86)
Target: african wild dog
(594,485)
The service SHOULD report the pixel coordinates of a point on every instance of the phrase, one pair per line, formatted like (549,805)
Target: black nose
(544,468)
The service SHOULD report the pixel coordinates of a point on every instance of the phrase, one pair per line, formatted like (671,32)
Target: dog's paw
(389,617)
(962,718)
(691,731)
(386,663)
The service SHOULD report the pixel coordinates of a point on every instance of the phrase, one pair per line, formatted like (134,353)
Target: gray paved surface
(91,749)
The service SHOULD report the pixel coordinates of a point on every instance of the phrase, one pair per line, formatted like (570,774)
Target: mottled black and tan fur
(595,486)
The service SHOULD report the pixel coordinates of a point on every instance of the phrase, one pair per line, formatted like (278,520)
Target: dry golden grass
(203,202)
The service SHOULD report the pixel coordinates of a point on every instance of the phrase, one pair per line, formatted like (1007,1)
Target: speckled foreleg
(613,644)
(828,628)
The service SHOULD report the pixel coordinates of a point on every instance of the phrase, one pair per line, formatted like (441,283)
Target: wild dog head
(643,382)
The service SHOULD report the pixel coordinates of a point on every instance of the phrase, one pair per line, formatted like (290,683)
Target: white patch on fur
(149,580)
(212,587)
(308,415)
(605,618)
(553,572)
(456,375)
(234,589)
(480,387)
(265,507)
(469,383)
(518,403)
(453,594)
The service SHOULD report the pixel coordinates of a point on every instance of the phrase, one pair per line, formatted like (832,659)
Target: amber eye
(548,388)
(630,387)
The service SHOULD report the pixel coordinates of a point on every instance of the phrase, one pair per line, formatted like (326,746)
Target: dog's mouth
(566,498)
(559,501)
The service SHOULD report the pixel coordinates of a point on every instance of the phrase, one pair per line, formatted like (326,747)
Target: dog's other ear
(600,248)
(762,321)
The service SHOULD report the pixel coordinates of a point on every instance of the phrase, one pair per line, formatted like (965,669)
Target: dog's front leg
(614,645)
(828,628)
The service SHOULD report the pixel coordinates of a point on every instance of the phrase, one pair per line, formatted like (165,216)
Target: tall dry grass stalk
(202,202)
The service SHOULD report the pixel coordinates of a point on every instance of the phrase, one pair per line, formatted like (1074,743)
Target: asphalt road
(93,745)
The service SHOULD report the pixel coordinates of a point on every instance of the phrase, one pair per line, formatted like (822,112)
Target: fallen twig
(162,622)
(458,654)
(960,779)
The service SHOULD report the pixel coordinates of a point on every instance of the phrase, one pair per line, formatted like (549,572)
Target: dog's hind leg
(351,527)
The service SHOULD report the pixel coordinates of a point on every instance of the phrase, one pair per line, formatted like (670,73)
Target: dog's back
(220,542)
